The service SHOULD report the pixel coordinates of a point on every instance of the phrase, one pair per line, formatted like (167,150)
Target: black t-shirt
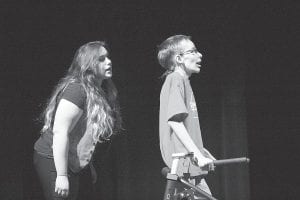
(73,92)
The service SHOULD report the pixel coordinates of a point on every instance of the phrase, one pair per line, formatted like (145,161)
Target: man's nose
(200,54)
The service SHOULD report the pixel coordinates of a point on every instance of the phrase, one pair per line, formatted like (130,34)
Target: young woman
(82,111)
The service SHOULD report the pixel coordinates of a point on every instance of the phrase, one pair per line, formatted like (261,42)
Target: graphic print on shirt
(193,106)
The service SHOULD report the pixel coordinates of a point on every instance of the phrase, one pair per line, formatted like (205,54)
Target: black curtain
(40,40)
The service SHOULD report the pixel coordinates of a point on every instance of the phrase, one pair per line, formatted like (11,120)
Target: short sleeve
(75,93)
(176,110)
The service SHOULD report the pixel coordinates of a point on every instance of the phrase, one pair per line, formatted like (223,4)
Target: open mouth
(198,63)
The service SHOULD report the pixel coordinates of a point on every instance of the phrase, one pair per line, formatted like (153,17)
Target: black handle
(231,161)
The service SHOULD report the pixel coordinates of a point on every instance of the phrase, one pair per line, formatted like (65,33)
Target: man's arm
(184,137)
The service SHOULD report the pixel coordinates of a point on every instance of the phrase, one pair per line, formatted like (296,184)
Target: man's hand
(202,161)
(207,154)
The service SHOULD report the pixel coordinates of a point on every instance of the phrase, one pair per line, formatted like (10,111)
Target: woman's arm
(67,115)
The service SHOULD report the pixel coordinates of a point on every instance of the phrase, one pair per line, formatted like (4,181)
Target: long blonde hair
(102,107)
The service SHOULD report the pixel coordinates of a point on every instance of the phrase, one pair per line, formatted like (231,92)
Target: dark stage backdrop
(41,39)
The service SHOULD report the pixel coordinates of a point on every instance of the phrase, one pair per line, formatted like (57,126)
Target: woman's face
(104,66)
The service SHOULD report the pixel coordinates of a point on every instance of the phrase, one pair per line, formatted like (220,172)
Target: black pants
(81,187)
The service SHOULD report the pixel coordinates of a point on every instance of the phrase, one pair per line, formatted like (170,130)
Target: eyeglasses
(192,51)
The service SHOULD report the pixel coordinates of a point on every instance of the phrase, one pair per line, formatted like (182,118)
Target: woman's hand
(62,185)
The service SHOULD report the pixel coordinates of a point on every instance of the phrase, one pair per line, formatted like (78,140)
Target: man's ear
(178,59)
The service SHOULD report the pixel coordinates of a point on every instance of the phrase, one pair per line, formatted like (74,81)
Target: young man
(179,127)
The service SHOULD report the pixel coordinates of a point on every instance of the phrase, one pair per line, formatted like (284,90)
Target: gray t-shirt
(177,102)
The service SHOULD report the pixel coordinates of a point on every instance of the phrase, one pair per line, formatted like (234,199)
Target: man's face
(190,57)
